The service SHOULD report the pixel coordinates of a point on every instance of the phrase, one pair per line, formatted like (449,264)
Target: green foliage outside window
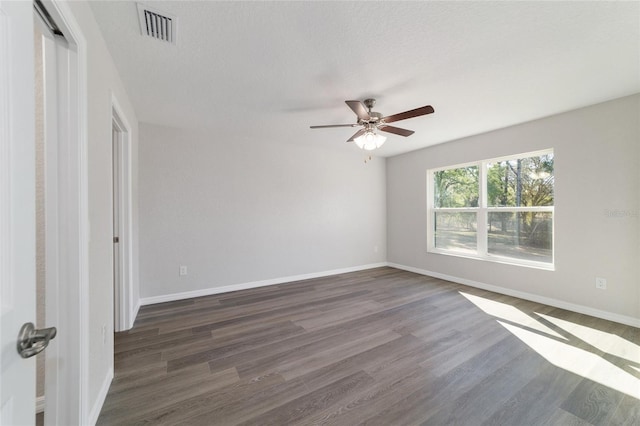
(524,182)
(518,209)
(456,187)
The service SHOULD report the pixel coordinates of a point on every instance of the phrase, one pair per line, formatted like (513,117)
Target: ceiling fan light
(370,141)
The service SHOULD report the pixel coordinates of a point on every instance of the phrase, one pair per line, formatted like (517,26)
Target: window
(499,209)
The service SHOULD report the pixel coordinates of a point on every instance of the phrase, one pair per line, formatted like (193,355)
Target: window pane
(522,235)
(456,187)
(456,231)
(521,182)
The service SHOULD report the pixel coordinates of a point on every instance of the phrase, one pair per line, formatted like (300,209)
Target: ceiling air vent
(157,24)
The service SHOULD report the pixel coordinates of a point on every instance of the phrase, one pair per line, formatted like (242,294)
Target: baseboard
(134,314)
(102,395)
(253,284)
(40,404)
(581,309)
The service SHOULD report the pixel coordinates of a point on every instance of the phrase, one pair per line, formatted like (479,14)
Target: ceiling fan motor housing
(374,118)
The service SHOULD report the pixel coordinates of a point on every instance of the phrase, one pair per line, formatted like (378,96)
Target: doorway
(40,32)
(122,218)
(63,254)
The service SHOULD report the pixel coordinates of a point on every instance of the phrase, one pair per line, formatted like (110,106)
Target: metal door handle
(32,341)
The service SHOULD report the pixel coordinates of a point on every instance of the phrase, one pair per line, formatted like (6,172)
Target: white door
(17,209)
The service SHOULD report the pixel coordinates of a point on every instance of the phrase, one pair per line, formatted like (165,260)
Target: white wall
(236,210)
(102,82)
(597,163)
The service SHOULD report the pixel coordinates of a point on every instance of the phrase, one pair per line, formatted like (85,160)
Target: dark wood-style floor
(382,347)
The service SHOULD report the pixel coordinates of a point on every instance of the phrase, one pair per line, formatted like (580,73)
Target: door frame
(123,300)
(67,287)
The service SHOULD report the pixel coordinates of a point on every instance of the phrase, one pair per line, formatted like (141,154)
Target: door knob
(32,340)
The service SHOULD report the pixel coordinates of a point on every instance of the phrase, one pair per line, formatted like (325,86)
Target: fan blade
(334,125)
(360,110)
(396,130)
(358,134)
(409,114)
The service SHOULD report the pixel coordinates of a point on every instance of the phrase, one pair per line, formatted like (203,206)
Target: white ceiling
(266,71)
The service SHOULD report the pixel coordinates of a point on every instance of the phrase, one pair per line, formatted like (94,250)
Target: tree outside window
(498,209)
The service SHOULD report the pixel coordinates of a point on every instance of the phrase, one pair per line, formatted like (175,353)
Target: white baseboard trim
(581,309)
(134,314)
(253,284)
(40,404)
(102,395)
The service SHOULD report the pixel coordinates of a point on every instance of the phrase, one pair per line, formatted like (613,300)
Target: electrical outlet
(183,270)
(375,249)
(104,334)
(601,283)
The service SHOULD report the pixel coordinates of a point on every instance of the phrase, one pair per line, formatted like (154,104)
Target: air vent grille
(157,24)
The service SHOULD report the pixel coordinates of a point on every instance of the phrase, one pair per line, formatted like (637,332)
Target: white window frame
(482,214)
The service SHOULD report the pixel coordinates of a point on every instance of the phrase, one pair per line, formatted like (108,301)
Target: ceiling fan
(370,122)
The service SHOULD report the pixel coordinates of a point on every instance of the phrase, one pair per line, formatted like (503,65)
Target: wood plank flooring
(376,347)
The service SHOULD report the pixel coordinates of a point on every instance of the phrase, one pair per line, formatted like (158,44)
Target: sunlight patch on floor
(578,361)
(559,351)
(606,342)
(509,313)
